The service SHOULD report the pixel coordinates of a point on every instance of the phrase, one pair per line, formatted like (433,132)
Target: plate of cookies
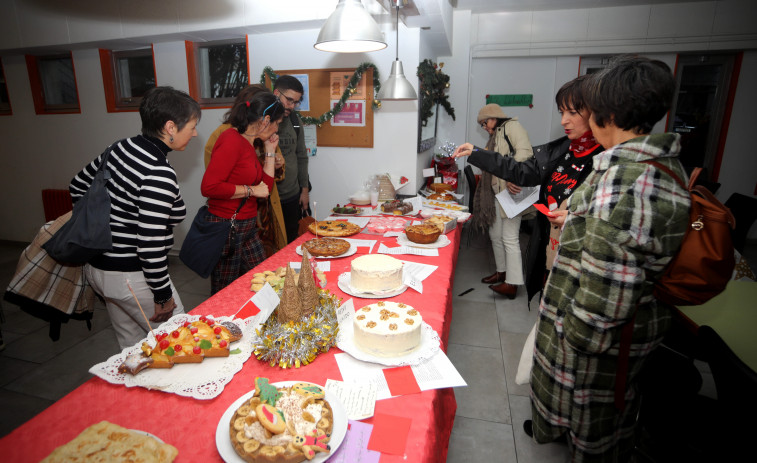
(283,421)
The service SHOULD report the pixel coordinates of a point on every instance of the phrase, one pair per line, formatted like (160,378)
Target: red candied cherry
(196,339)
(164,344)
(186,324)
(177,347)
(210,321)
(217,330)
(196,349)
(160,336)
(203,319)
(175,334)
(222,343)
(193,330)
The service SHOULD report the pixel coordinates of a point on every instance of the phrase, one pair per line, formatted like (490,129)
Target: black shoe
(528,427)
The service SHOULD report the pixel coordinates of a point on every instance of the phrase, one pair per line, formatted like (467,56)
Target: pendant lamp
(350,29)
(397,86)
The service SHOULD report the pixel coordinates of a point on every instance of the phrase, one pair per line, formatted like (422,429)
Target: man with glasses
(294,189)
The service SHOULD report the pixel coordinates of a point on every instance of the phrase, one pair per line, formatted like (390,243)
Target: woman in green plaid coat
(625,223)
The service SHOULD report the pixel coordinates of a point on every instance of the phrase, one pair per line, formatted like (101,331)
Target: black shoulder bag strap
(507,139)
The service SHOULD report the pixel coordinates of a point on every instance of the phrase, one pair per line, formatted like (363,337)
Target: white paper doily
(440,242)
(202,381)
(430,343)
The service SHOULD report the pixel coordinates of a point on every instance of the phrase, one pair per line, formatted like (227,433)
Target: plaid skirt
(242,252)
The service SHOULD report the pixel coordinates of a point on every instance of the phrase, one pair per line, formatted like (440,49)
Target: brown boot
(505,289)
(496,277)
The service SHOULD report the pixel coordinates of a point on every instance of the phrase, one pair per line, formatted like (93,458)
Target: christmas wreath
(328,115)
(434,83)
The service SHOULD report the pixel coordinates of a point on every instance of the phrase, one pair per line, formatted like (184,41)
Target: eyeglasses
(291,101)
(484,122)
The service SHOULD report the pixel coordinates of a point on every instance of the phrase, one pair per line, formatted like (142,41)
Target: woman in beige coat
(509,138)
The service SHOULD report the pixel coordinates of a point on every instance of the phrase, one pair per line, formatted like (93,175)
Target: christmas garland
(433,84)
(328,115)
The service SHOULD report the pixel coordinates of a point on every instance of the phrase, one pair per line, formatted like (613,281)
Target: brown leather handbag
(703,265)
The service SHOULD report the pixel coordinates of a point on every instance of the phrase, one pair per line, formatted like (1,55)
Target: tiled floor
(486,338)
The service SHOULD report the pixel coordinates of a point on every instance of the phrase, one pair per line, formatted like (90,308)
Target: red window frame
(38,94)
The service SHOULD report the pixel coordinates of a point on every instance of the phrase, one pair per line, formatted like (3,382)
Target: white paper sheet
(407,250)
(358,399)
(362,243)
(515,204)
(436,373)
(266,300)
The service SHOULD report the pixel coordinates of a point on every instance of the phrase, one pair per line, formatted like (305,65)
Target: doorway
(700,106)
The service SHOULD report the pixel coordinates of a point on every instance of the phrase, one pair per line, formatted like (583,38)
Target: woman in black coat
(559,167)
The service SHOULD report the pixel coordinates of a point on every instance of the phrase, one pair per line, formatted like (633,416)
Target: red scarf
(584,145)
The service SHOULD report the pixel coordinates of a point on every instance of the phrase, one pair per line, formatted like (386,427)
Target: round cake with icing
(387,329)
(375,273)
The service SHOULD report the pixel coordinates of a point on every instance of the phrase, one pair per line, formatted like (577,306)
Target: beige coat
(523,150)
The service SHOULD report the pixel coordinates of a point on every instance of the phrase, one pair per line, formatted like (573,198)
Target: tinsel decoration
(292,345)
(434,83)
(328,115)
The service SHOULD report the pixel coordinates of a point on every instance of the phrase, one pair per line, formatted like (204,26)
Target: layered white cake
(375,272)
(387,329)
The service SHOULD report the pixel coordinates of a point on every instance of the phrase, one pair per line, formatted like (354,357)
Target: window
(5,102)
(217,71)
(53,83)
(127,75)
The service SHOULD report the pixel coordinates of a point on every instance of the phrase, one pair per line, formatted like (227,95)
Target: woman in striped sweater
(146,205)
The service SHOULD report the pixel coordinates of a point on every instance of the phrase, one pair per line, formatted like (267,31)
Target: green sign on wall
(511,100)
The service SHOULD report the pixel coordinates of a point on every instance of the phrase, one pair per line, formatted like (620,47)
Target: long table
(190,424)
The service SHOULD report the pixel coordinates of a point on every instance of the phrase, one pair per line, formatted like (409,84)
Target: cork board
(346,132)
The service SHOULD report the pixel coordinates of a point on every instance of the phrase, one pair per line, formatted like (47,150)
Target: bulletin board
(346,134)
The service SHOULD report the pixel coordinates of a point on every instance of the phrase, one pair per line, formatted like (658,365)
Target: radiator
(56,203)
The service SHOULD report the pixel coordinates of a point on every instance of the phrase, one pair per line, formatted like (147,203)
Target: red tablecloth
(190,424)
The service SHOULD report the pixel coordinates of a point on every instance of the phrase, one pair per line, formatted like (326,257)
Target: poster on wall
(339,82)
(352,114)
(311,140)
(304,80)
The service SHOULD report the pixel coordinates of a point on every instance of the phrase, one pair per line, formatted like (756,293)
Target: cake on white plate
(387,329)
(375,272)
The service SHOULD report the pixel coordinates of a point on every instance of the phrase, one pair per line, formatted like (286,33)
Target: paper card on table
(418,271)
(515,204)
(389,434)
(428,172)
(435,373)
(358,399)
(354,447)
(401,381)
(392,234)
(362,243)
(384,249)
(344,313)
(543,209)
(266,300)
(249,309)
(323,266)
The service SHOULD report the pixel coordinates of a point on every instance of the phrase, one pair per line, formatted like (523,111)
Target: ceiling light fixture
(397,86)
(350,29)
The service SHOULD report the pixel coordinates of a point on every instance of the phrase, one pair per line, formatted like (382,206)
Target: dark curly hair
(633,93)
(260,103)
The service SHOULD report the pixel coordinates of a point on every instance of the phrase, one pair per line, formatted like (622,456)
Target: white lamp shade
(397,86)
(350,29)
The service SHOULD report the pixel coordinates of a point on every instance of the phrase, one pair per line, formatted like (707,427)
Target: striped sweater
(145,206)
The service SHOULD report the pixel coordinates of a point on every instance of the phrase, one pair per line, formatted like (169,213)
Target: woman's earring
(170,140)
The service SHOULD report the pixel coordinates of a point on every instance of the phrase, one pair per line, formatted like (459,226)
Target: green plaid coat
(626,221)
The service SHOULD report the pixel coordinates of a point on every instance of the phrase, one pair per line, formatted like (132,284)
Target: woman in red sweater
(234,175)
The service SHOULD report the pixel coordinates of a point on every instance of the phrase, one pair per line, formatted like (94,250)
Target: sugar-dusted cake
(387,329)
(375,272)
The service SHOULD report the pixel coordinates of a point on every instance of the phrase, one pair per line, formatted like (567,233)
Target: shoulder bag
(204,243)
(87,234)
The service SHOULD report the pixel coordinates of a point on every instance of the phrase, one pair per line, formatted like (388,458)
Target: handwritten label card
(358,399)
